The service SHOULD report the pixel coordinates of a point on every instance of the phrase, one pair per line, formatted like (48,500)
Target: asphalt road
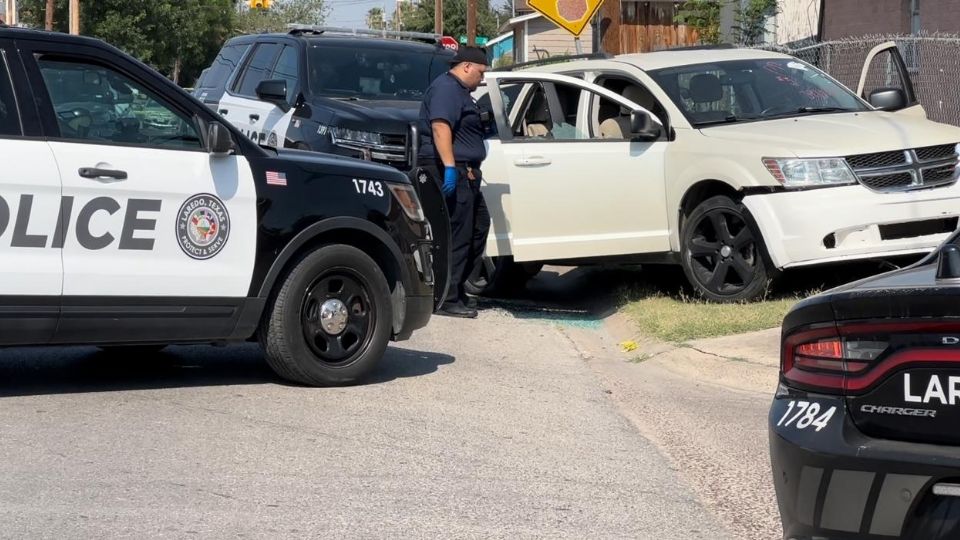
(493,428)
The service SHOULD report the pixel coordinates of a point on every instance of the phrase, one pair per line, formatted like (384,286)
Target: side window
(288,69)
(256,69)
(608,120)
(95,103)
(634,91)
(214,79)
(544,111)
(9,118)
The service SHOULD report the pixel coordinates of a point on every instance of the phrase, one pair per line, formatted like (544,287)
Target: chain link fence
(933,62)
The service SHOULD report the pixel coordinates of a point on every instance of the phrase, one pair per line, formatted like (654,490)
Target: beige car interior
(616,124)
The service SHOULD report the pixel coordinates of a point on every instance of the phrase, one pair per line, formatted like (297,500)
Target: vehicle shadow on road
(69,370)
(589,294)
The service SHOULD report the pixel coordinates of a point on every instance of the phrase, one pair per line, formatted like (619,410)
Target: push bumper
(836,483)
(848,223)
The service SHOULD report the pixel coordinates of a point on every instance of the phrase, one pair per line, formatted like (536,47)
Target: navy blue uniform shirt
(449,100)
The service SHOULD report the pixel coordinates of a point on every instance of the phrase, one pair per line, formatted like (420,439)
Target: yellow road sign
(571,15)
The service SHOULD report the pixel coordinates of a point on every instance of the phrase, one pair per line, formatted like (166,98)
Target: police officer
(451,149)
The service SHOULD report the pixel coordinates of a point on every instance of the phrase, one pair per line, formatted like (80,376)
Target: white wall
(796,20)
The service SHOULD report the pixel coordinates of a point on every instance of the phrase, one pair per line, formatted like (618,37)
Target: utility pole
(75,17)
(472,23)
(438,17)
(11,15)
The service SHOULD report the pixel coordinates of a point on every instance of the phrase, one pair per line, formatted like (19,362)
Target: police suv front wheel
(330,321)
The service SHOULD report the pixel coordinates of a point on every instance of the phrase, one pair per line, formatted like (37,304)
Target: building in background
(500,50)
(536,38)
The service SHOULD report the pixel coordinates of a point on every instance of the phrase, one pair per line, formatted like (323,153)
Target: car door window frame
(230,78)
(294,89)
(234,88)
(507,135)
(665,119)
(893,50)
(6,74)
(46,109)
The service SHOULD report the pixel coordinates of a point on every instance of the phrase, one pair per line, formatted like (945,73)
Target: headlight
(406,196)
(355,136)
(810,172)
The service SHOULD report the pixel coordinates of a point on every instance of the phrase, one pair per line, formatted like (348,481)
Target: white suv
(733,163)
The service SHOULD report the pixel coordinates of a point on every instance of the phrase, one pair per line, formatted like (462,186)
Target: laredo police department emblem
(203,226)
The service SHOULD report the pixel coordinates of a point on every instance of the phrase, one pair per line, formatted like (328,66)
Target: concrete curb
(743,362)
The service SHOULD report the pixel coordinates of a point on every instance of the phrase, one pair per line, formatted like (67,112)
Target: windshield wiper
(726,120)
(823,109)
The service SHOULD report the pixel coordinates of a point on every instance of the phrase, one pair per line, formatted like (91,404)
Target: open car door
(885,81)
(582,181)
(435,210)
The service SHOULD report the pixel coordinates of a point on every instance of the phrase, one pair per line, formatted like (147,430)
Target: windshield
(381,74)
(759,89)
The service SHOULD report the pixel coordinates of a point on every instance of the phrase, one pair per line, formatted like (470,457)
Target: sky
(353,13)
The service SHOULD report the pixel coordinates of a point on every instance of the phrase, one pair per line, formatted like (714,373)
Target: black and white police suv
(865,425)
(131,214)
(346,92)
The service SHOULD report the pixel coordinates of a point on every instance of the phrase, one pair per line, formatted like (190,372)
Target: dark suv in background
(353,93)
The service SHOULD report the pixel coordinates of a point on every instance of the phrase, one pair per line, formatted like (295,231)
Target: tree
(48,14)
(375,19)
(751,21)
(420,18)
(704,17)
(282,13)
(177,37)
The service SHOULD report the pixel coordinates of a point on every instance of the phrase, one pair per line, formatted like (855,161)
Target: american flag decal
(275,178)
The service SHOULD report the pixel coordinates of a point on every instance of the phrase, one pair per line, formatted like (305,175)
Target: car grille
(872,161)
(903,170)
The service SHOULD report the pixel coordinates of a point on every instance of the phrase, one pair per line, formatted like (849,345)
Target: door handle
(98,174)
(254,117)
(532,161)
(223,111)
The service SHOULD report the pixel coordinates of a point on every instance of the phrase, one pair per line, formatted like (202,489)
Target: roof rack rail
(700,47)
(315,29)
(557,60)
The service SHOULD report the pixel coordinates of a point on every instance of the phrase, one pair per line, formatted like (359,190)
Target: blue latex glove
(449,181)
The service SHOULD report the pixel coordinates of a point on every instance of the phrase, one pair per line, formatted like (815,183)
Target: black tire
(132,350)
(722,254)
(296,342)
(497,275)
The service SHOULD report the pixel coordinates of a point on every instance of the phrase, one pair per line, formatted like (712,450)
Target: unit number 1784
(806,414)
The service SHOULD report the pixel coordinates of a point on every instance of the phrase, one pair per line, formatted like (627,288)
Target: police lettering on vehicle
(134,221)
(203,226)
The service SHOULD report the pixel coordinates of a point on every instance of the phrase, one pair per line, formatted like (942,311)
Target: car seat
(618,127)
(705,88)
(537,120)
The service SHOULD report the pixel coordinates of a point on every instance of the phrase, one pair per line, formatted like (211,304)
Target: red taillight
(852,358)
(822,358)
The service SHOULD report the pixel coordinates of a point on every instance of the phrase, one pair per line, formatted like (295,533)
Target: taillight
(854,357)
(821,359)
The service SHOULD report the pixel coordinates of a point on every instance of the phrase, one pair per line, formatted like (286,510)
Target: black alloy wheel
(722,254)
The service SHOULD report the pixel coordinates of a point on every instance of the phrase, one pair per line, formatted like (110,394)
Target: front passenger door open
(884,73)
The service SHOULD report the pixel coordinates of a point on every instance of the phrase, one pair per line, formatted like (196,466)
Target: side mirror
(642,127)
(274,91)
(219,140)
(888,99)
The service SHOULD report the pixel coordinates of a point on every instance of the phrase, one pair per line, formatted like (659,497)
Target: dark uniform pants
(469,225)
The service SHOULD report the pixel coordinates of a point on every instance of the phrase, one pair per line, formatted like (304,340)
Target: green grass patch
(679,318)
